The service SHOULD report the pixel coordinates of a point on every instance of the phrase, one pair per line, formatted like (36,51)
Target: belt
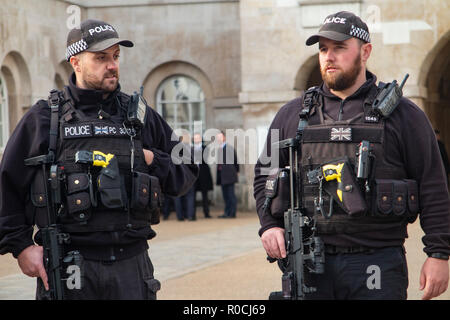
(109,253)
(330,249)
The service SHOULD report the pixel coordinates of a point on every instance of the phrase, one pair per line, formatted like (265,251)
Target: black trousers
(128,279)
(205,202)
(230,200)
(378,275)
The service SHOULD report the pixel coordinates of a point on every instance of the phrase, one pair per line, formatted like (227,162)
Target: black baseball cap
(93,36)
(341,26)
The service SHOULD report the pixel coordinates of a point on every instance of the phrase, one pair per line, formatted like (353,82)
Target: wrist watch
(439,255)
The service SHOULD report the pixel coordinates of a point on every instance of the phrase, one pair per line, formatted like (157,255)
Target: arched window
(181,102)
(4,115)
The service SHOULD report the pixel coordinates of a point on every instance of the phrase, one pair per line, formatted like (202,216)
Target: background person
(227,175)
(204,181)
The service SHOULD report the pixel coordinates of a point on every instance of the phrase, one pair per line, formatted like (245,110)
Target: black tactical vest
(390,198)
(96,198)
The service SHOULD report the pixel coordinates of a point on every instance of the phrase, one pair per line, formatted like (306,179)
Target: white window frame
(192,123)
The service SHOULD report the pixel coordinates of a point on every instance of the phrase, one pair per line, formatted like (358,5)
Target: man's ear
(75,61)
(366,49)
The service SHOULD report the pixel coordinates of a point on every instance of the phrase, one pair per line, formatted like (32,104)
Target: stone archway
(171,68)
(435,77)
(309,74)
(62,72)
(4,114)
(174,68)
(18,84)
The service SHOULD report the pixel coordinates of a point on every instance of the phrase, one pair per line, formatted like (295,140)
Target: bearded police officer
(368,165)
(106,157)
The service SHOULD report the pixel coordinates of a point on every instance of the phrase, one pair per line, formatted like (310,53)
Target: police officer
(405,177)
(106,208)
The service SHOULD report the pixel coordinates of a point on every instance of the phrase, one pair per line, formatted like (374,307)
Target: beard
(108,85)
(343,80)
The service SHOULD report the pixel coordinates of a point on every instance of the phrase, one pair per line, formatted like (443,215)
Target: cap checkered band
(359,33)
(76,48)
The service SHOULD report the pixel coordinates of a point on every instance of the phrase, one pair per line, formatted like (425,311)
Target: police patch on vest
(77,131)
(93,130)
(341,134)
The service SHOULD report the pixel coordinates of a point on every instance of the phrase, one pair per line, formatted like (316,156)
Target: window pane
(183,112)
(197,108)
(180,101)
(168,112)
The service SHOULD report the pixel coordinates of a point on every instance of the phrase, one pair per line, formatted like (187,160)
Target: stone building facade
(233,63)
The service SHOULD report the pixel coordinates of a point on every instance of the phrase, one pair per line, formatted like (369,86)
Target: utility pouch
(156,200)
(399,206)
(413,200)
(277,192)
(37,191)
(384,193)
(395,198)
(77,182)
(110,189)
(78,198)
(140,190)
(280,204)
(78,202)
(345,189)
(146,197)
(38,199)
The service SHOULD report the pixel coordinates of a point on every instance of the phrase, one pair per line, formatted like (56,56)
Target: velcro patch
(341,134)
(77,131)
(109,130)
(93,130)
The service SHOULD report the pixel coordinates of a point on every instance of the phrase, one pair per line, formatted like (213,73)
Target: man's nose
(329,55)
(112,64)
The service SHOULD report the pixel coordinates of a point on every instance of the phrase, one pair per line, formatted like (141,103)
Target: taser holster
(346,193)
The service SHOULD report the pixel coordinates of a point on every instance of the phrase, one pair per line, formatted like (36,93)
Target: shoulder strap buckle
(54,98)
(54,101)
(309,98)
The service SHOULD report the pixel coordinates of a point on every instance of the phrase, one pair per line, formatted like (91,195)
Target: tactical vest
(389,199)
(99,198)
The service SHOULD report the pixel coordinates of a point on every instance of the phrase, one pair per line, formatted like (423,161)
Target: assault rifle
(304,249)
(52,237)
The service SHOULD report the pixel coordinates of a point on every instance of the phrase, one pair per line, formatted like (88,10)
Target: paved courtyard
(217,259)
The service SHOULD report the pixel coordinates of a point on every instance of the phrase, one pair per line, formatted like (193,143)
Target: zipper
(341,109)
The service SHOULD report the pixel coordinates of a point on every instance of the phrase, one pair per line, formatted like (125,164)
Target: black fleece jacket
(409,142)
(31,138)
